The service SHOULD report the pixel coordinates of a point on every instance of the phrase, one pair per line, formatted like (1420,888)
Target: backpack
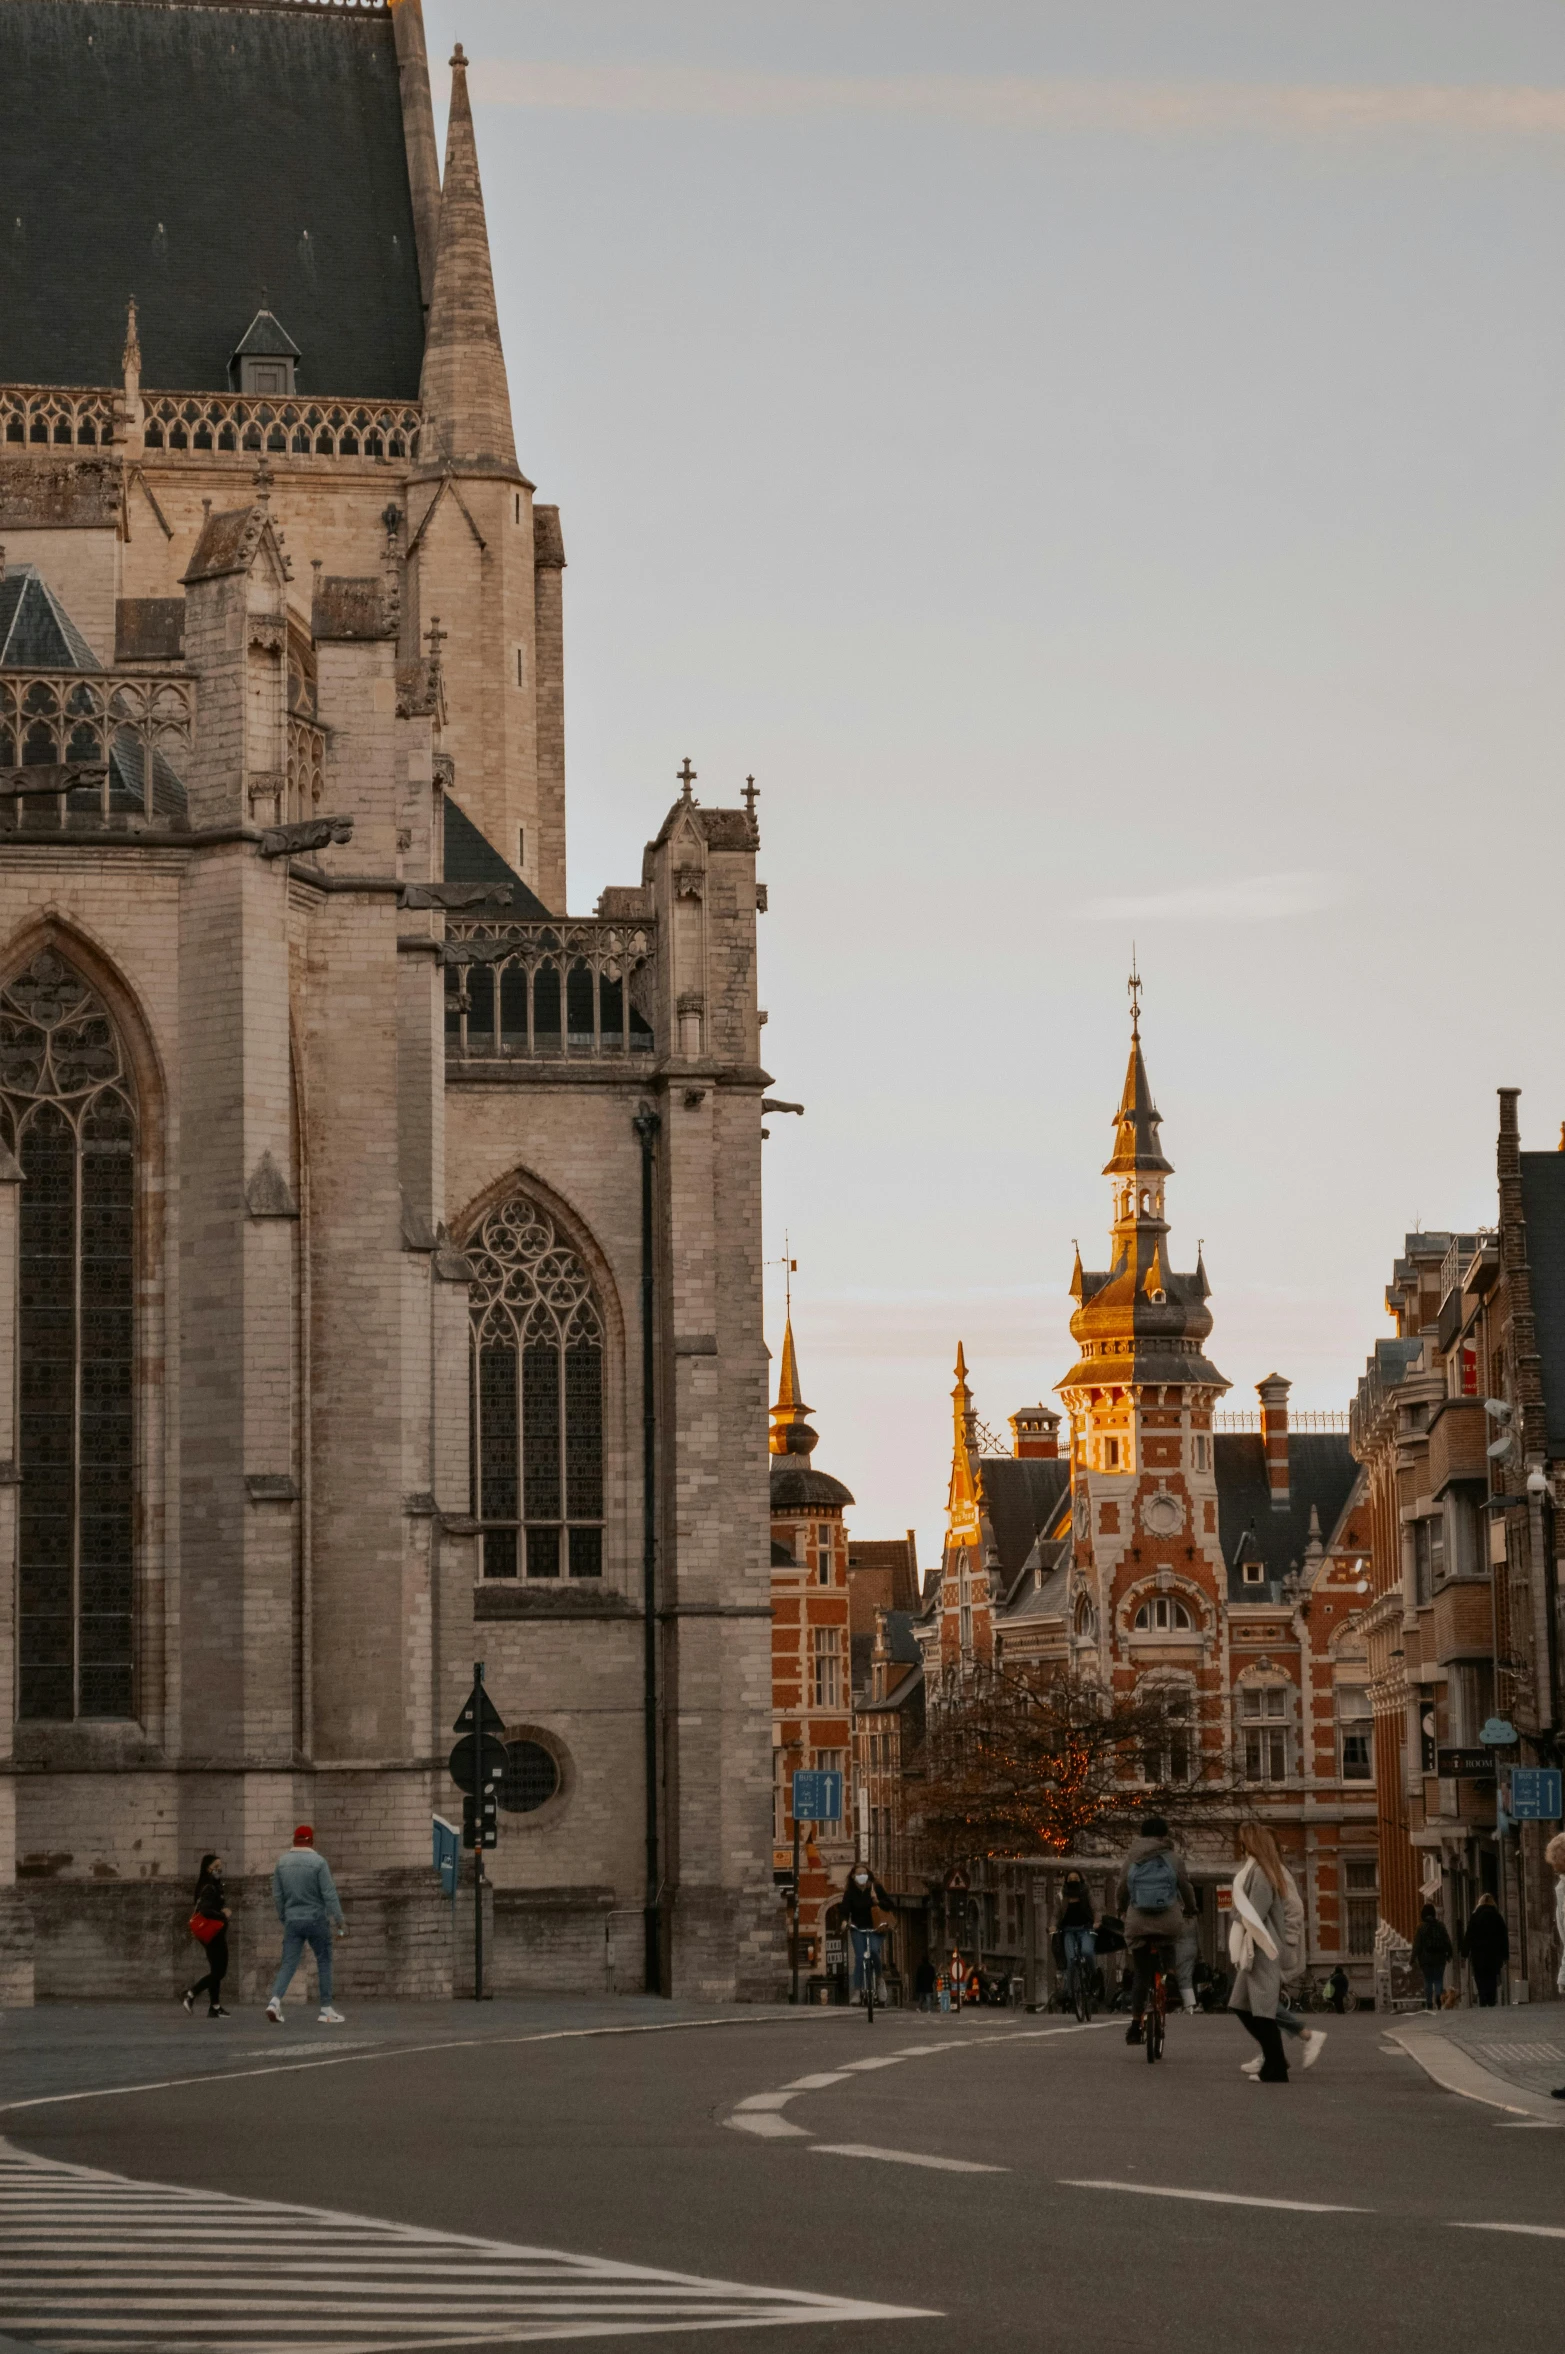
(1153,1882)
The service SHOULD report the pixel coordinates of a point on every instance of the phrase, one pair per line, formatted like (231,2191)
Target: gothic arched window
(68,1113)
(1163,1613)
(537,1400)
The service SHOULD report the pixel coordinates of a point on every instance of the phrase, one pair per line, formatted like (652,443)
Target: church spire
(1137,1150)
(791,1434)
(466,399)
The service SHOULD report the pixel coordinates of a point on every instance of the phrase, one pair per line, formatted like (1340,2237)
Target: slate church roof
(207,160)
(36,632)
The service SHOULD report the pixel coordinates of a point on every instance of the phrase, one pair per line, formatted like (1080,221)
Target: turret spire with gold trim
(791,1434)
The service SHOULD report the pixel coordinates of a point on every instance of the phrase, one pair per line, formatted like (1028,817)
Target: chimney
(1035,1430)
(1273,1394)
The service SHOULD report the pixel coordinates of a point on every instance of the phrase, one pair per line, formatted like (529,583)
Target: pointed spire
(131,361)
(1136,1123)
(1078,1280)
(466,399)
(791,1434)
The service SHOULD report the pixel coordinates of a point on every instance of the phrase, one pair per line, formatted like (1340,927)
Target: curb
(1455,2070)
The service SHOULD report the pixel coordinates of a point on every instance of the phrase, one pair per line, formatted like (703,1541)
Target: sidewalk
(1513,2057)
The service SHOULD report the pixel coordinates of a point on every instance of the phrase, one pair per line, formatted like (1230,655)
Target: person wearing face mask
(859,1900)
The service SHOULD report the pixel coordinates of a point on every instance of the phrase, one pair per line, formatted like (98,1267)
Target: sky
(1099,465)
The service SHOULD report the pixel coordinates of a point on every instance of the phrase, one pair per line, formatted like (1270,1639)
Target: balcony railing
(92,746)
(210,424)
(548,990)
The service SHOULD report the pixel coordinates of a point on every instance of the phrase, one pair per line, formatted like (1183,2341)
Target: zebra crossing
(91,2262)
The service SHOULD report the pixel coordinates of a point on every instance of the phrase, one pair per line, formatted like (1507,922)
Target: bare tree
(1012,1767)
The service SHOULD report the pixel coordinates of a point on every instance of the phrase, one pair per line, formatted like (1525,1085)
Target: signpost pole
(794,1996)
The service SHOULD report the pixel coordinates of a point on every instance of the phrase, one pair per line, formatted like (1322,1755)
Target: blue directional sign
(817,1797)
(447,1846)
(1536,1794)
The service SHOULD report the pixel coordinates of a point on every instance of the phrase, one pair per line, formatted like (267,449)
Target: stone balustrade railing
(209,424)
(549,989)
(94,745)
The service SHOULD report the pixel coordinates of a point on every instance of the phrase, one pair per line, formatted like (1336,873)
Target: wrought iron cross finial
(263,477)
(687,777)
(1133,989)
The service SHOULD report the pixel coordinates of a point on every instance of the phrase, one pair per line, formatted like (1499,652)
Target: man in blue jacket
(307,1906)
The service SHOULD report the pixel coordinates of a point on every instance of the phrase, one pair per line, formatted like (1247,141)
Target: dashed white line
(859,2149)
(1531,2231)
(1157,2190)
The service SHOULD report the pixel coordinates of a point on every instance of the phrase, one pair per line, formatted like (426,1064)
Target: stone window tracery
(537,1404)
(68,1114)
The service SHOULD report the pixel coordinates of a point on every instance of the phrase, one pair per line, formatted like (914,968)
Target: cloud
(1243,899)
(1022,102)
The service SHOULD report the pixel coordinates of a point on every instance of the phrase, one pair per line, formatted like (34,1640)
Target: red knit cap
(303,1835)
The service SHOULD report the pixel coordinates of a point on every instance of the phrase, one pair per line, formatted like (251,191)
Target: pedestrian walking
(1290,2021)
(926,1984)
(209,1925)
(1259,1945)
(1486,1948)
(1554,1857)
(1338,1982)
(307,1906)
(1431,1953)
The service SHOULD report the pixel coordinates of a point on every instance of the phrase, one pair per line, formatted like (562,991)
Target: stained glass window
(68,1112)
(537,1398)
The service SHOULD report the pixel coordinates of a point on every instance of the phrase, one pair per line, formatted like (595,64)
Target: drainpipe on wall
(647,1125)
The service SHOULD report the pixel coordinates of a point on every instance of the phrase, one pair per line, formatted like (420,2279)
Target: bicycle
(1155,2023)
(1079,1975)
(866,1968)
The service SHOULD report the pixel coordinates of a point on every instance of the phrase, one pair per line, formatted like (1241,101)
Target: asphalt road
(1038,2229)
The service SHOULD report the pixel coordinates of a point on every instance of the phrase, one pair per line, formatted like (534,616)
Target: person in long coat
(1260,1945)
(1486,1946)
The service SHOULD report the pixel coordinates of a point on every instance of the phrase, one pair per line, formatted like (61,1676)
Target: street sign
(956,1880)
(464,1762)
(1536,1794)
(1465,1765)
(447,1853)
(817,1797)
(479,1709)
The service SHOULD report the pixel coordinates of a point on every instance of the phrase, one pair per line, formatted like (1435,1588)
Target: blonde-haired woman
(1554,1857)
(1262,1944)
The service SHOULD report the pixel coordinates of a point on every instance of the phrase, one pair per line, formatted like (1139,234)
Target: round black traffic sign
(464,1762)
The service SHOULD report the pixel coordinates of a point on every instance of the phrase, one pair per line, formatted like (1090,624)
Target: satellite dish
(1497,1409)
(1501,1446)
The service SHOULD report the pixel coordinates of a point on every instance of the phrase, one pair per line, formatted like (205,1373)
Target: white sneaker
(331,2018)
(1314,2038)
(274,2011)
(1250,2067)
(1187,2002)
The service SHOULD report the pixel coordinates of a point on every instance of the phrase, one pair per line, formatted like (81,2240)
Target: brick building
(1221,1568)
(812,1673)
(1460,1424)
(379,1242)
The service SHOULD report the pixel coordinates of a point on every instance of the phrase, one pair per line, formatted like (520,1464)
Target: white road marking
(767,2100)
(859,2149)
(1531,2231)
(859,2067)
(767,2125)
(814,2083)
(339,2057)
(1155,2190)
(320,2282)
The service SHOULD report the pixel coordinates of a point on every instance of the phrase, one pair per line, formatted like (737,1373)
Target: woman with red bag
(209,1923)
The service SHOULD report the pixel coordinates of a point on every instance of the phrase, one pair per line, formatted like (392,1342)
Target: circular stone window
(531,1778)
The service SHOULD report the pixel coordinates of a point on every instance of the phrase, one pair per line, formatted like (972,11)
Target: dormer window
(1254,1573)
(265,359)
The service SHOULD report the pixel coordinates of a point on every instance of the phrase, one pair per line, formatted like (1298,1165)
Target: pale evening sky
(1101,464)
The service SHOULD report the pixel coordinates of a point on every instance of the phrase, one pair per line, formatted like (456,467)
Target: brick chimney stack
(1273,1394)
(1035,1430)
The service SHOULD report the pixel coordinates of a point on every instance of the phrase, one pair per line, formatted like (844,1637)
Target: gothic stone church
(379,1243)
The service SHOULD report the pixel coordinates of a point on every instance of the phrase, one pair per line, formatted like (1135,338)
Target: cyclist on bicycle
(1156,1899)
(859,1900)
(1076,1923)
